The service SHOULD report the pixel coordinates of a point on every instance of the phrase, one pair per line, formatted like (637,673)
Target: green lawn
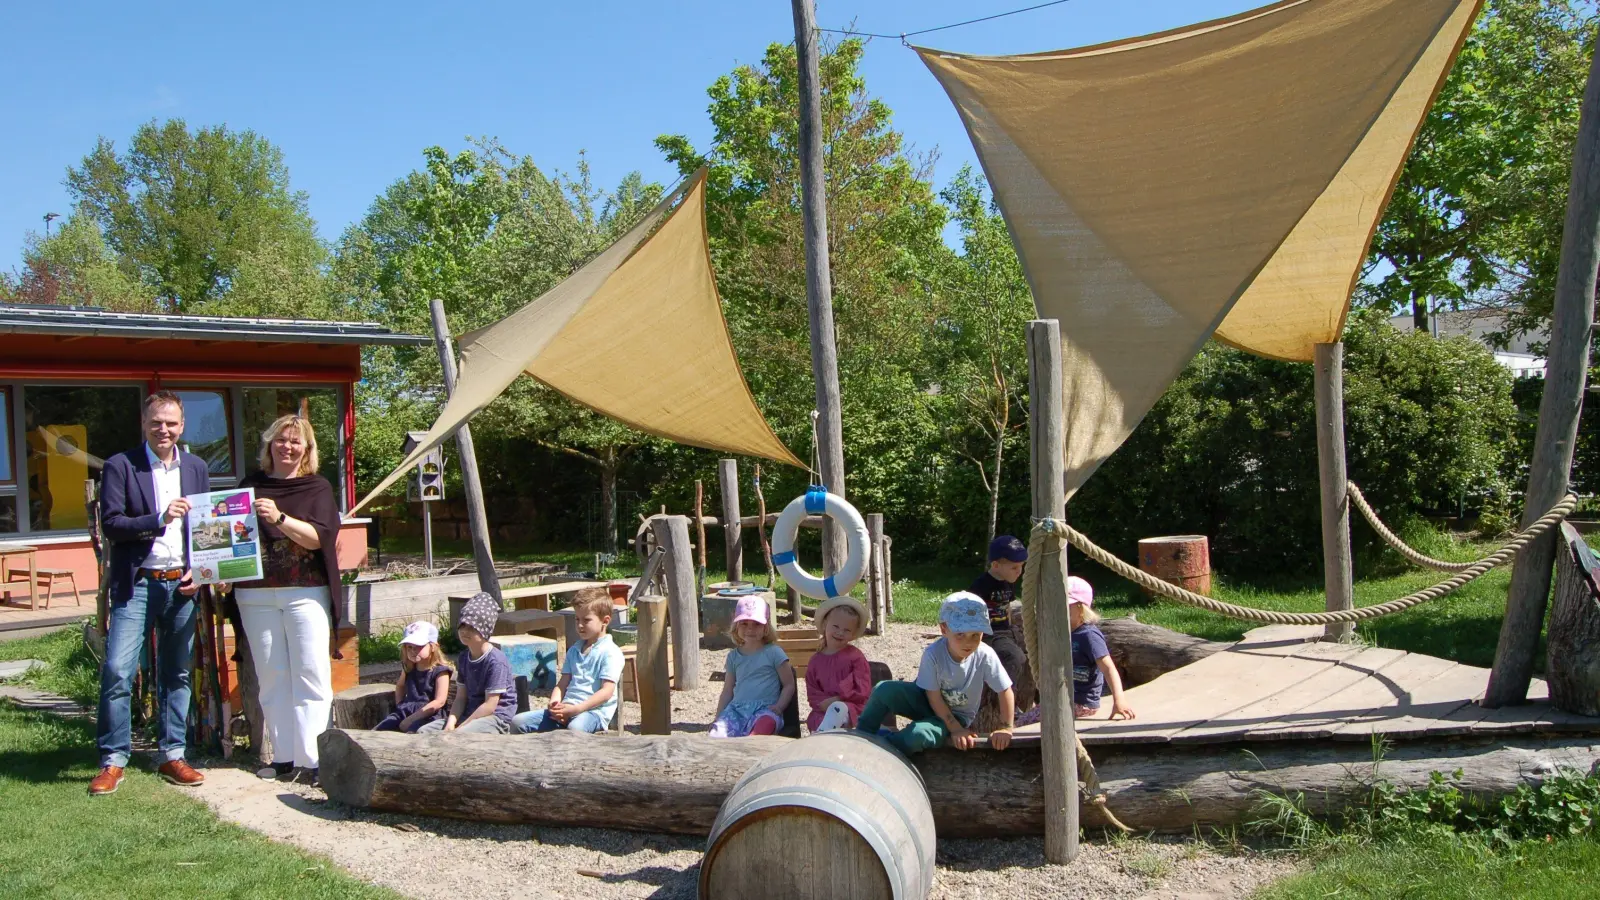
(146,840)
(1451,868)
(71,670)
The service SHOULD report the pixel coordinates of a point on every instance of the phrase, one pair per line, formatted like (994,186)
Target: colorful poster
(224,537)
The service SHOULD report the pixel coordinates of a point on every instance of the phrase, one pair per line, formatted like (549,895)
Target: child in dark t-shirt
(1092,668)
(487,697)
(424,684)
(997,588)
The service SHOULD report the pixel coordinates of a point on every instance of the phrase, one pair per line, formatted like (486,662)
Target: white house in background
(1478,324)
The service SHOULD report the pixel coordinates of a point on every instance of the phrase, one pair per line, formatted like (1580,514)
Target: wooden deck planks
(1274,686)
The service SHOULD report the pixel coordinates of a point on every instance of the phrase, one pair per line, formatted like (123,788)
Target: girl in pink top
(838,681)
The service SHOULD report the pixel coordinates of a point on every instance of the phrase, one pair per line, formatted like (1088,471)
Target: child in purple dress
(424,684)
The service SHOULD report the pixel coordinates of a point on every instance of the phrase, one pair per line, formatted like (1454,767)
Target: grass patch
(146,840)
(1450,867)
(71,670)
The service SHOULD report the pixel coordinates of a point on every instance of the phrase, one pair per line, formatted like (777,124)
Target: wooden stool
(47,580)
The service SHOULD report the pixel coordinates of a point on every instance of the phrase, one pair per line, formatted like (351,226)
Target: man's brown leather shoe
(180,773)
(106,782)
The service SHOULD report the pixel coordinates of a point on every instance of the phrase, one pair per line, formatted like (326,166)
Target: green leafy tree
(189,212)
(884,225)
(73,266)
(1477,214)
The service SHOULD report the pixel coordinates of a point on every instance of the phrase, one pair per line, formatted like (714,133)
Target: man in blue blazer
(143,510)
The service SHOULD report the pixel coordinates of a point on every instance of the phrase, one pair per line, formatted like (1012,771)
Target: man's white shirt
(167,551)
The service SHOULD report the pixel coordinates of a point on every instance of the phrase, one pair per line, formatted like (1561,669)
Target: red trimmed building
(72,380)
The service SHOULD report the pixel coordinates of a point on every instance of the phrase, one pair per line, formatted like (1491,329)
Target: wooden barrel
(1183,559)
(837,815)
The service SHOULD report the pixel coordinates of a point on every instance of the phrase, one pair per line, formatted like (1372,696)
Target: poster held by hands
(224,536)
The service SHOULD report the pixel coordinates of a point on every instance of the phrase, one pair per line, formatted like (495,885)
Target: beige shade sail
(1155,185)
(637,335)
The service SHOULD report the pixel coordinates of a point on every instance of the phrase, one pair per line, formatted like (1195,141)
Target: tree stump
(1572,664)
(1183,560)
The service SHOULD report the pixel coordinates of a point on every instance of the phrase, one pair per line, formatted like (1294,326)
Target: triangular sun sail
(1222,178)
(637,335)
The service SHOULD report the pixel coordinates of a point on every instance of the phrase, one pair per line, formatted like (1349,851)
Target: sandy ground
(417,855)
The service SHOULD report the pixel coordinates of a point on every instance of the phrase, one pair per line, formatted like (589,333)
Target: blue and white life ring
(818,502)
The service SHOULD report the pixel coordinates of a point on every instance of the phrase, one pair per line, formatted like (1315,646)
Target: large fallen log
(1146,652)
(676,783)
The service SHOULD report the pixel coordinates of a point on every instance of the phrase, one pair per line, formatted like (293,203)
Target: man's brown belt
(162,574)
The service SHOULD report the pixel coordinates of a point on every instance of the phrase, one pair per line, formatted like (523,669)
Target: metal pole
(819,283)
(1337,576)
(427,536)
(1058,736)
(1572,322)
(482,554)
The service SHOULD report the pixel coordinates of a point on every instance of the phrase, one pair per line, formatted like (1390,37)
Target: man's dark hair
(162,398)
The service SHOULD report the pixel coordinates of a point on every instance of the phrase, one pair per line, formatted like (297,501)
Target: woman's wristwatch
(282,517)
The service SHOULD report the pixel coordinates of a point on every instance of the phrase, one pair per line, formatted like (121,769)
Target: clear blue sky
(352,92)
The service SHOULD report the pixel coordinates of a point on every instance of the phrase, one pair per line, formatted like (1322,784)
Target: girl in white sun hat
(838,680)
(424,684)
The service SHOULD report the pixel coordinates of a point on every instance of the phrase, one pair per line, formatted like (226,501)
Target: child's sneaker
(836,718)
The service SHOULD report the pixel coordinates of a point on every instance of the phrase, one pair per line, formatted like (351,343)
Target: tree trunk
(999,459)
(676,783)
(1419,310)
(608,500)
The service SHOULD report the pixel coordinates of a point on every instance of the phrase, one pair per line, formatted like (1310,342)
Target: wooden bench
(48,579)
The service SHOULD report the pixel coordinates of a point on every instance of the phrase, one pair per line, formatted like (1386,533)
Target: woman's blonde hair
(434,657)
(310,462)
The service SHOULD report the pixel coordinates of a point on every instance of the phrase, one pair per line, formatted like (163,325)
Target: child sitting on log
(585,699)
(487,696)
(944,699)
(838,680)
(760,681)
(424,684)
(1092,666)
(997,587)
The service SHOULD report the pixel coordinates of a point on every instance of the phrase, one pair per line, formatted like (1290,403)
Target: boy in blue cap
(997,588)
(944,699)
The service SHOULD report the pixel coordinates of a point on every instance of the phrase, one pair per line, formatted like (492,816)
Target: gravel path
(414,855)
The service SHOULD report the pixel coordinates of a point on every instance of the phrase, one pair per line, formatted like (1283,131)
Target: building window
(262,406)
(8,471)
(206,432)
(69,432)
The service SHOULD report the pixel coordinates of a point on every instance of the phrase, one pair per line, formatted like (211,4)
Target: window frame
(235,416)
(25,525)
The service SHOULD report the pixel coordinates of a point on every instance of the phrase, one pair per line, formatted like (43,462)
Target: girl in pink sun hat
(1092,668)
(760,681)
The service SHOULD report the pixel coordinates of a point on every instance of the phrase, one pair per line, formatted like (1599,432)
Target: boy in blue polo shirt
(944,699)
(585,699)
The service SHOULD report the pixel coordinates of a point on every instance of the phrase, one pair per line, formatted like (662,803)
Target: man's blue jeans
(154,604)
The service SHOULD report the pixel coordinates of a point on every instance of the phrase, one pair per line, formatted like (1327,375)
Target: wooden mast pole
(819,283)
(1566,369)
(1058,738)
(471,485)
(732,529)
(1337,575)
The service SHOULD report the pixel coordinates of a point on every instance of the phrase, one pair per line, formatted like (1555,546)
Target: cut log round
(363,706)
(1183,559)
(677,783)
(836,815)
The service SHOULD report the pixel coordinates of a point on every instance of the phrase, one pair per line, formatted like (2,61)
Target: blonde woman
(289,614)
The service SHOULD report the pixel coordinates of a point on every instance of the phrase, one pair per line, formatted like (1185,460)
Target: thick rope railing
(1044,546)
(1173,592)
(1416,556)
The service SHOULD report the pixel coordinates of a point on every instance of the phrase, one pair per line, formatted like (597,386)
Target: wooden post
(888,574)
(875,573)
(700,536)
(732,529)
(1336,574)
(471,485)
(650,667)
(791,598)
(1571,323)
(683,604)
(761,530)
(427,535)
(1058,739)
(819,282)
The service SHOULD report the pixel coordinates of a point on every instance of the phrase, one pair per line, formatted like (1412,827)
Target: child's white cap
(421,634)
